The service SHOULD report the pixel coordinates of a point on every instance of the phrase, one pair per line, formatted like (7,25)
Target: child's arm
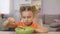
(10,23)
(41,29)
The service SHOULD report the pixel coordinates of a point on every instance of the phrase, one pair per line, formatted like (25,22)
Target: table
(9,32)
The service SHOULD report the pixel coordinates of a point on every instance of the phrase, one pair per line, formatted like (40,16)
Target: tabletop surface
(10,32)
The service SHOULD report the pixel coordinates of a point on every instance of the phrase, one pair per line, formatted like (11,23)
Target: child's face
(27,17)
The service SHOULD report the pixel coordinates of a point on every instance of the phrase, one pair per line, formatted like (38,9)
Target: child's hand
(41,30)
(10,19)
(21,27)
(10,23)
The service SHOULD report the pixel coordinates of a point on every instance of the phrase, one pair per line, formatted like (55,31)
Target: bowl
(26,30)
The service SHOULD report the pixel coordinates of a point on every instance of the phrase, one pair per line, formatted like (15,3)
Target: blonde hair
(28,8)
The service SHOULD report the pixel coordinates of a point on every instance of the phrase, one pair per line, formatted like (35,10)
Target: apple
(25,30)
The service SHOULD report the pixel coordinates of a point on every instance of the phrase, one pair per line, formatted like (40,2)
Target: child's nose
(26,19)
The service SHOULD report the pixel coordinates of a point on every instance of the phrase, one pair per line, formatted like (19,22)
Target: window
(5,6)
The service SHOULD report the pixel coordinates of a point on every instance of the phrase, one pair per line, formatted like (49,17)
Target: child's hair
(28,8)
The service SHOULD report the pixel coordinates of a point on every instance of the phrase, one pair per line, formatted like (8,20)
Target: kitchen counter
(10,32)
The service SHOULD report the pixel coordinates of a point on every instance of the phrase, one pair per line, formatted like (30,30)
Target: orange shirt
(34,25)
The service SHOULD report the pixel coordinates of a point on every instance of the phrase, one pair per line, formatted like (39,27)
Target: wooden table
(8,32)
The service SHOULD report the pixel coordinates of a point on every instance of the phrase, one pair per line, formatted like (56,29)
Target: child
(27,16)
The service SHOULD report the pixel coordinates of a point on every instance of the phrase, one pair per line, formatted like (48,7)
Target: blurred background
(51,14)
(10,8)
(48,16)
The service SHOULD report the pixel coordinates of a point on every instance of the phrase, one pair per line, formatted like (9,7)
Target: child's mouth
(28,24)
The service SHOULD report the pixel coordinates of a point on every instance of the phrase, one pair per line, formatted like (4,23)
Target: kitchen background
(10,8)
(50,11)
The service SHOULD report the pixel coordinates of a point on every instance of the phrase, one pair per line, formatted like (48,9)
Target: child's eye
(29,17)
(24,17)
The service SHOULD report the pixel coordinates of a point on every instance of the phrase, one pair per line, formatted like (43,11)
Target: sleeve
(36,26)
(17,24)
